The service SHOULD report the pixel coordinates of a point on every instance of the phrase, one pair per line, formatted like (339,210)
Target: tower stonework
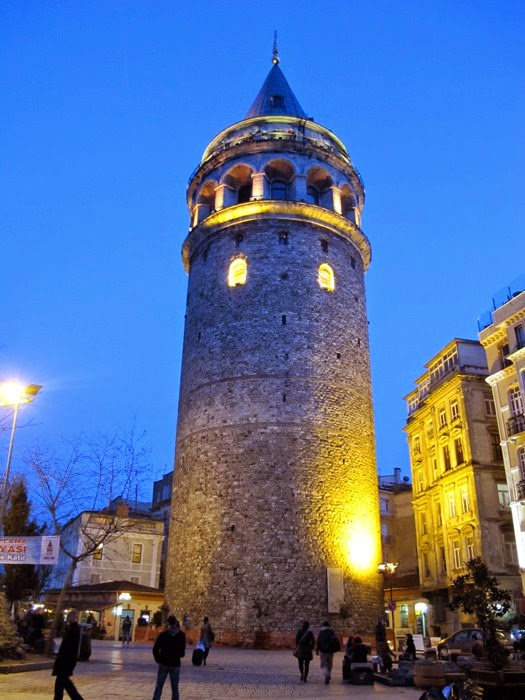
(275,513)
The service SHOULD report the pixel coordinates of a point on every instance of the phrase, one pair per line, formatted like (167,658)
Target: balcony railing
(516,424)
(520,490)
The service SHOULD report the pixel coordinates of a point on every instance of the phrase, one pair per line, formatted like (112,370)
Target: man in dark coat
(66,659)
(168,650)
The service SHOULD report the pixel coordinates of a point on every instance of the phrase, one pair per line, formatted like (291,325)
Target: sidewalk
(115,672)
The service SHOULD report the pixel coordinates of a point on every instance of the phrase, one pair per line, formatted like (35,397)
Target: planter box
(508,684)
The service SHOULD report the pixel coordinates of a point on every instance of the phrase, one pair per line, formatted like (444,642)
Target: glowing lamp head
(15,393)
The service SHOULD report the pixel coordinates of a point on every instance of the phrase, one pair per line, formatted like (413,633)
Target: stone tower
(275,512)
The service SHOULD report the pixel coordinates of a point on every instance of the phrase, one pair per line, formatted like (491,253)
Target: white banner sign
(29,550)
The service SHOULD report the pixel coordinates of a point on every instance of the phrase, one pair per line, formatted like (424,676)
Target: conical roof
(276,97)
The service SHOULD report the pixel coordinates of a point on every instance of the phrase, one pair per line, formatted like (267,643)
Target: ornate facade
(461,504)
(502,334)
(275,511)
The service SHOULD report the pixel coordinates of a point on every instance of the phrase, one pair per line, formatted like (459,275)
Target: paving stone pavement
(115,672)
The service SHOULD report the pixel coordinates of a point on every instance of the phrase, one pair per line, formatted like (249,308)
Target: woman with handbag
(304,646)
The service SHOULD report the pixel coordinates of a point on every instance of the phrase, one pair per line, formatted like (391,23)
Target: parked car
(461,642)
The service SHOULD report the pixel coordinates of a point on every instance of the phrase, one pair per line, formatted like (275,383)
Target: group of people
(325,646)
(168,650)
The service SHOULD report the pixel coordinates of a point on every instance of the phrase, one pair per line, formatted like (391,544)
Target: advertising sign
(29,550)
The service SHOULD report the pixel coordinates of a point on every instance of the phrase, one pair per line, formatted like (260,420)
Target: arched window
(237,272)
(279,189)
(312,195)
(244,193)
(325,277)
(521,463)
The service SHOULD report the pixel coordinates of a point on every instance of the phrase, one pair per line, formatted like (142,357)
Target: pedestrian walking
(66,659)
(126,630)
(304,645)
(207,637)
(325,647)
(169,648)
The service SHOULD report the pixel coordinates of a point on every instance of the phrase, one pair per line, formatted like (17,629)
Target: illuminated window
(136,556)
(442,418)
(458,449)
(469,548)
(515,402)
(446,458)
(439,516)
(326,278)
(237,272)
(442,561)
(456,552)
(503,496)
(403,615)
(465,501)
(97,554)
(454,410)
(451,505)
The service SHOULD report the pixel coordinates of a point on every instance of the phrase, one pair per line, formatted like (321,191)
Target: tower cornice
(283,211)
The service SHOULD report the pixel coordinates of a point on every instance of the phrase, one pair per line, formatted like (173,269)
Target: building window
(521,463)
(244,193)
(324,245)
(430,430)
(423,523)
(451,505)
(465,500)
(503,496)
(456,554)
(384,504)
(511,552)
(515,402)
(283,237)
(503,352)
(277,101)
(94,578)
(134,579)
(97,554)
(497,454)
(237,272)
(435,468)
(439,515)
(469,548)
(454,410)
(490,407)
(279,189)
(458,449)
(442,416)
(446,458)
(519,332)
(416,445)
(325,277)
(136,555)
(420,482)
(442,560)
(403,615)
(426,566)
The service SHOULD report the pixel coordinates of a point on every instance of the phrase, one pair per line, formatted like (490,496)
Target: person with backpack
(207,637)
(326,645)
(169,648)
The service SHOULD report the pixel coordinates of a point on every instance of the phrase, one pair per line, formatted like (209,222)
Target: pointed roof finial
(275,59)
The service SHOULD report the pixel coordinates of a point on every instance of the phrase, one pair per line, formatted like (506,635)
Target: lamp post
(13,394)
(388,568)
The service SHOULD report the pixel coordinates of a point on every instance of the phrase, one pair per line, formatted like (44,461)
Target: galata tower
(274,512)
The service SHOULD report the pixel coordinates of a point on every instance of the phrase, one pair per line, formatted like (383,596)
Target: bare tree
(82,484)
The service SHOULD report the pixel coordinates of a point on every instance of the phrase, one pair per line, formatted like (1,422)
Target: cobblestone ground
(116,672)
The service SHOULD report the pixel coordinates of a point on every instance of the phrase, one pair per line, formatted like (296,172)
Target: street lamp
(13,394)
(388,568)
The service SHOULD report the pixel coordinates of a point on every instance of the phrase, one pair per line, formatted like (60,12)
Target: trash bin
(84,651)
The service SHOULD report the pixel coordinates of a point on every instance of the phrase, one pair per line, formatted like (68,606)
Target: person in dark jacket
(327,643)
(304,645)
(410,648)
(168,650)
(66,659)
(359,651)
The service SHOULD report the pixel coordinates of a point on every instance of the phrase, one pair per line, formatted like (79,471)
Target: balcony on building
(515,424)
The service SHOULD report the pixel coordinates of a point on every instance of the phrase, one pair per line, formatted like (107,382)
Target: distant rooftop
(501,297)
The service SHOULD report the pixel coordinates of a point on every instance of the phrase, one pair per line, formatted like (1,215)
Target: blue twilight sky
(106,108)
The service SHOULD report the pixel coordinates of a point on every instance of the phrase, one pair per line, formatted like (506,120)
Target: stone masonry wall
(275,459)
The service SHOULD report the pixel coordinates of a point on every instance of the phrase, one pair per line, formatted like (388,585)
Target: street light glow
(14,393)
